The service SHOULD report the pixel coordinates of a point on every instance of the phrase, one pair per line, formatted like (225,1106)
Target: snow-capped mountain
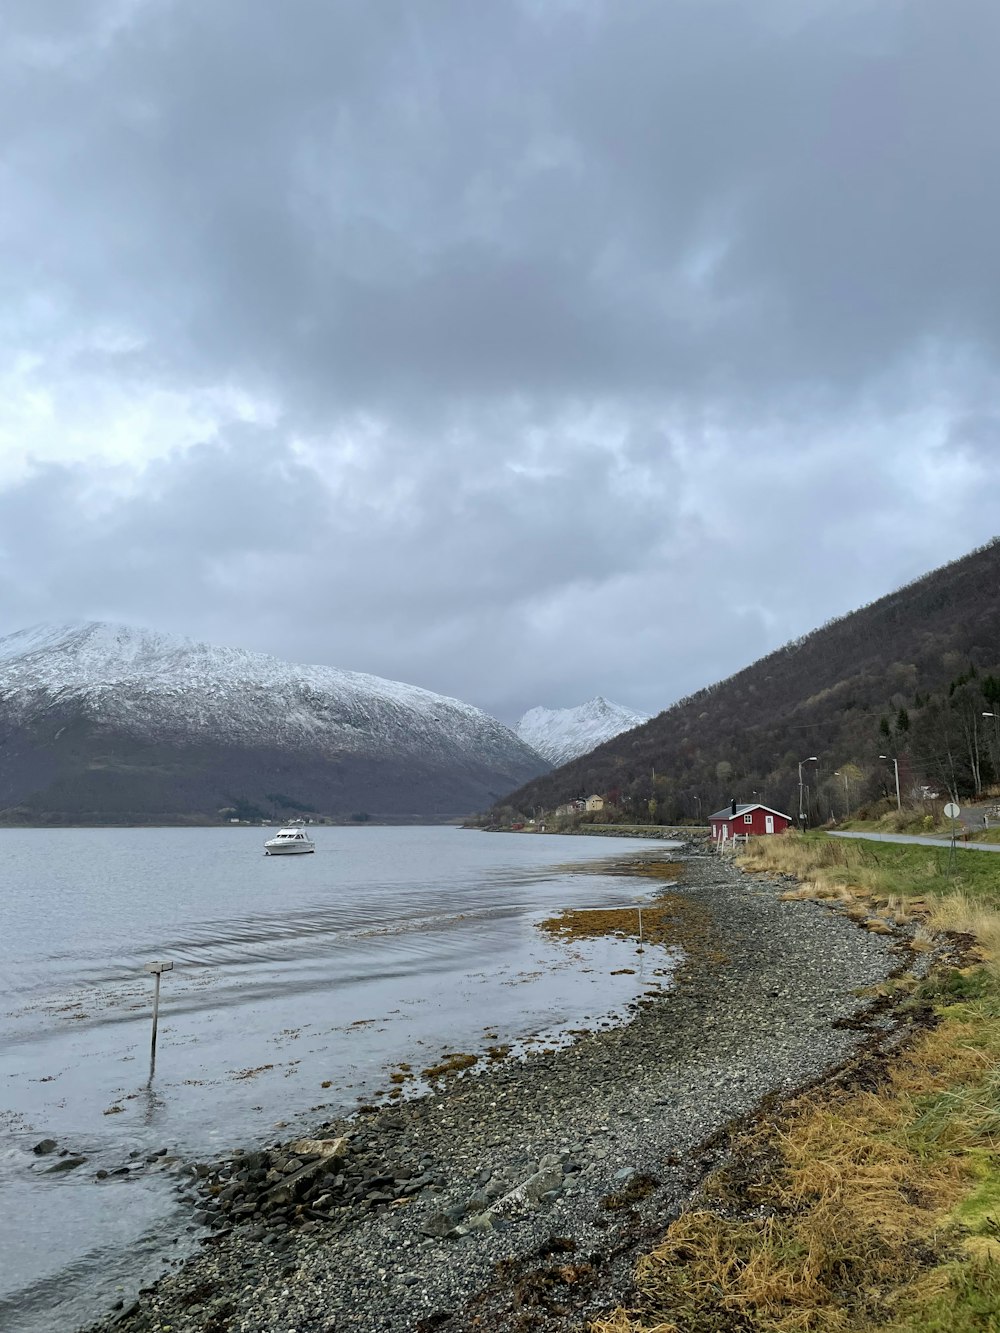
(136,721)
(562,734)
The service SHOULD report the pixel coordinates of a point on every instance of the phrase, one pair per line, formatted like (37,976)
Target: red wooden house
(753,818)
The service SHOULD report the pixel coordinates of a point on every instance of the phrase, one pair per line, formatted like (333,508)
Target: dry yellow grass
(970,916)
(825,1235)
(829,872)
(860,1210)
(791,854)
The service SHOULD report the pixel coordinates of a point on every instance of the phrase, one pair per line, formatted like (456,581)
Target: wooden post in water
(639,910)
(157,969)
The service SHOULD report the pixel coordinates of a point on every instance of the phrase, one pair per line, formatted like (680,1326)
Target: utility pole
(847,794)
(811,759)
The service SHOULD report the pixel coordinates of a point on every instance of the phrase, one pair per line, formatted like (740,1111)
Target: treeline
(908,677)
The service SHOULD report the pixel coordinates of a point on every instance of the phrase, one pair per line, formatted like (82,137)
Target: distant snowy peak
(562,734)
(159,685)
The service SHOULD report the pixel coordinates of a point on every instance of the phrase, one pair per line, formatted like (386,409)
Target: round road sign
(951,810)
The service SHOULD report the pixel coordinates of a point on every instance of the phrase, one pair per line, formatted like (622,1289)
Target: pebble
(65,1164)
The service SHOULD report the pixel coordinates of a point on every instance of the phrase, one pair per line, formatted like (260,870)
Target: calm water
(388,944)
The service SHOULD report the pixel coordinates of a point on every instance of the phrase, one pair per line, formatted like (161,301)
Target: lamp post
(895,764)
(847,794)
(810,759)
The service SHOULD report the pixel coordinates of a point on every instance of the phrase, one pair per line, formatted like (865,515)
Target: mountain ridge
(122,716)
(838,693)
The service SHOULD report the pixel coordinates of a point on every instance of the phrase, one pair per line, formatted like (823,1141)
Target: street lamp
(810,759)
(895,764)
(847,794)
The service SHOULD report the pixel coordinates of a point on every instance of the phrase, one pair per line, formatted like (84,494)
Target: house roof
(744,809)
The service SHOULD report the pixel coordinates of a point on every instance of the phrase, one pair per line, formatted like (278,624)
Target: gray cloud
(523,351)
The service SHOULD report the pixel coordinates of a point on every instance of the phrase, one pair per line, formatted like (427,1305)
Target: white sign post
(157,970)
(952,812)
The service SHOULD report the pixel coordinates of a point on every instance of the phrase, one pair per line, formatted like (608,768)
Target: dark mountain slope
(897,677)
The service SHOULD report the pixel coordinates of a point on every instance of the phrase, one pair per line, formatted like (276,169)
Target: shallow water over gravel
(387,945)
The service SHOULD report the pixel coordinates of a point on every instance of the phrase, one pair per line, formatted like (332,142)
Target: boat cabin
(291,835)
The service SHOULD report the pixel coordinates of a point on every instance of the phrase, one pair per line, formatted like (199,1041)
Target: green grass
(968,1303)
(980,1212)
(906,869)
(952,986)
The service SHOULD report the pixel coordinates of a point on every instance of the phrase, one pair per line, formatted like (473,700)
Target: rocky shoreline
(517,1198)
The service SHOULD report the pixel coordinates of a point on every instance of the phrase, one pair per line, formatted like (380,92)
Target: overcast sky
(521,350)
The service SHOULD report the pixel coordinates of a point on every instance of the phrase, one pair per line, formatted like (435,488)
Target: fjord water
(298,983)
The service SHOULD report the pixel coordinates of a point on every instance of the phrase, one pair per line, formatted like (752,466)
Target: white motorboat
(289,841)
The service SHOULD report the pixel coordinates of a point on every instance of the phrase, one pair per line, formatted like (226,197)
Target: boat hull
(288,851)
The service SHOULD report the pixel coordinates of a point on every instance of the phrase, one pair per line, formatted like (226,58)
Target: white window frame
(748,819)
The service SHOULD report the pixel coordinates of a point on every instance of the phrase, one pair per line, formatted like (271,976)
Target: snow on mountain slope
(159,685)
(562,734)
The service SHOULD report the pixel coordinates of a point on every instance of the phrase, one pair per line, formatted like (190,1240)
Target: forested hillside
(908,677)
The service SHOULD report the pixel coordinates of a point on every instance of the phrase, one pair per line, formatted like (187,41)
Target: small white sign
(951,810)
(159,967)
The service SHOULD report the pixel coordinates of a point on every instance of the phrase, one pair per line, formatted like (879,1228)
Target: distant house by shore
(579,806)
(746,818)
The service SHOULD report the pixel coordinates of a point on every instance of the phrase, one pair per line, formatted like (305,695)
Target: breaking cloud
(524,352)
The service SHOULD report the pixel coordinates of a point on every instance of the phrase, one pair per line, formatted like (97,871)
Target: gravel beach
(517,1197)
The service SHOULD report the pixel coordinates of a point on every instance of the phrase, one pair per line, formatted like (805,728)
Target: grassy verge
(861,866)
(902,821)
(872,1203)
(923,826)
